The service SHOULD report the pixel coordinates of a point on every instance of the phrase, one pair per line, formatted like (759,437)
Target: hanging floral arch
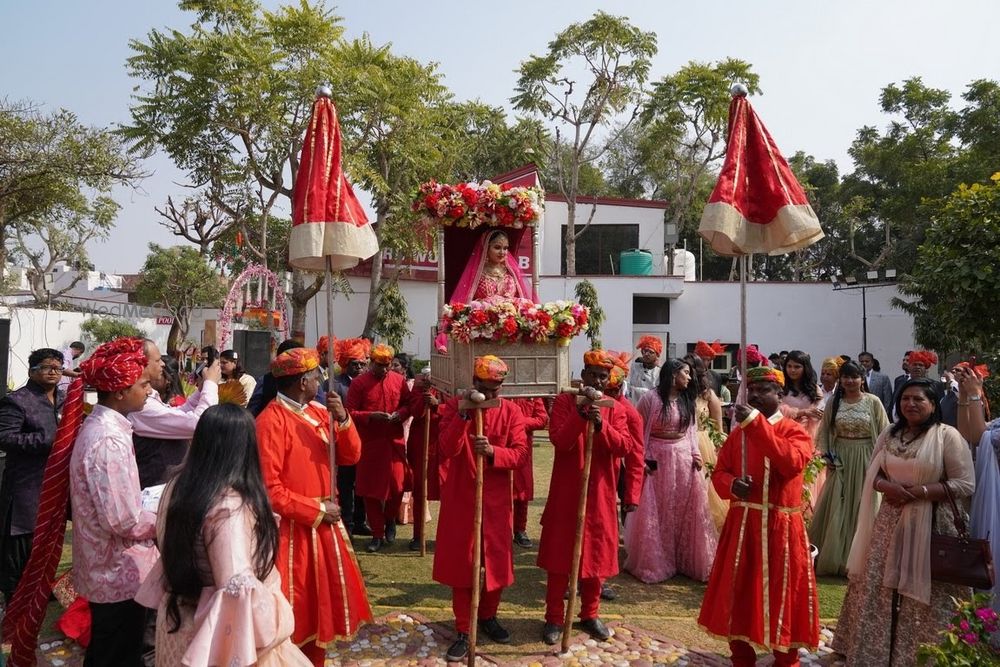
(252,272)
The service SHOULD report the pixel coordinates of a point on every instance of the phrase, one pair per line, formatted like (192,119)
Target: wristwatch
(977,397)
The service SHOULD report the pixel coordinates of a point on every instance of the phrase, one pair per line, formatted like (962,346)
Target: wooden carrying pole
(423,485)
(477,546)
(743,356)
(581,516)
(330,381)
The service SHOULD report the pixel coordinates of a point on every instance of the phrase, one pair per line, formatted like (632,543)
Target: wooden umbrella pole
(330,380)
(477,548)
(581,515)
(423,484)
(743,355)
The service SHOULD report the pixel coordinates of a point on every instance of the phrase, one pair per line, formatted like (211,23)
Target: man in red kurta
(600,532)
(379,404)
(762,590)
(424,400)
(535,418)
(319,573)
(504,447)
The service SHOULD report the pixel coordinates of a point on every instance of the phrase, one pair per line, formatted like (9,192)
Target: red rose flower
(455,212)
(478,318)
(510,326)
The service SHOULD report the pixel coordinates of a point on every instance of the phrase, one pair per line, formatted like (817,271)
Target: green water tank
(636,263)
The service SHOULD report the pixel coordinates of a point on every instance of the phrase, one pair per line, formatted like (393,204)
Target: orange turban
(709,352)
(323,345)
(925,358)
(382,354)
(832,364)
(765,374)
(115,365)
(296,361)
(616,377)
(598,358)
(620,359)
(490,368)
(351,349)
(981,370)
(650,343)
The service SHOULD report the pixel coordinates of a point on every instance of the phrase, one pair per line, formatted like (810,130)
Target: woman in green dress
(851,424)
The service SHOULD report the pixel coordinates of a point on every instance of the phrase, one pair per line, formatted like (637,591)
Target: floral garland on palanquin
(514,321)
(472,205)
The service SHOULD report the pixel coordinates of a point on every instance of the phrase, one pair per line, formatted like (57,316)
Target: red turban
(295,361)
(709,352)
(598,358)
(382,354)
(650,343)
(981,370)
(351,349)
(765,374)
(490,368)
(115,365)
(925,358)
(323,345)
(753,356)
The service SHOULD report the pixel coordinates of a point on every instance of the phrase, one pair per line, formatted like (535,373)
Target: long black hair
(849,370)
(927,387)
(699,373)
(807,385)
(223,456)
(685,398)
(172,373)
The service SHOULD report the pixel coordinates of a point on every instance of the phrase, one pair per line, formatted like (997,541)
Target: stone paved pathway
(407,639)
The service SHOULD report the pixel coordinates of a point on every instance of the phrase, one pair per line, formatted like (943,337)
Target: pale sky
(821,64)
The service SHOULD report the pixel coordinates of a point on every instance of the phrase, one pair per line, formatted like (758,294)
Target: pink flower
(986,614)
(964,625)
(969,638)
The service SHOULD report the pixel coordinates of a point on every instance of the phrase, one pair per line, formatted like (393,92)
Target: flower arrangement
(474,204)
(514,321)
(967,639)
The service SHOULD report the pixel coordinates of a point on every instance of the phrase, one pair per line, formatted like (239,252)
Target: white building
(781,316)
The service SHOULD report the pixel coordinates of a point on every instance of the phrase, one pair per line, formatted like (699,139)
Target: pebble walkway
(401,639)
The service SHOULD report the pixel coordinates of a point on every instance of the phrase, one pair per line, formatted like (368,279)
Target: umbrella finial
(739,90)
(324,90)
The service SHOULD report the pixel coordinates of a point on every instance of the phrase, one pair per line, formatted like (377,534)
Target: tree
(229,101)
(586,295)
(97,330)
(56,175)
(615,57)
(953,288)
(178,280)
(392,323)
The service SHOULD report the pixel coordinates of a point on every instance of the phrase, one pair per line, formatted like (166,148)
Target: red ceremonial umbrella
(757,205)
(330,229)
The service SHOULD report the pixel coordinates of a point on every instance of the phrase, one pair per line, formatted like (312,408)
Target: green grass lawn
(400,579)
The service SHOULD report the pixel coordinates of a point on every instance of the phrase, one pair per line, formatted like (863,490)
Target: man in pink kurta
(762,590)
(599,558)
(504,446)
(379,404)
(113,548)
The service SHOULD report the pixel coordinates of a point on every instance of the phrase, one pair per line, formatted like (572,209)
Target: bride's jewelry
(495,272)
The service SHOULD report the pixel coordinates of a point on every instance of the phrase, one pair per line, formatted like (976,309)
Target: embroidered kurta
(319,572)
(535,418)
(504,426)
(112,535)
(600,531)
(382,468)
(762,588)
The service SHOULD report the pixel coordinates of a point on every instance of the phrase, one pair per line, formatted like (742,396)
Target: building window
(599,248)
(650,309)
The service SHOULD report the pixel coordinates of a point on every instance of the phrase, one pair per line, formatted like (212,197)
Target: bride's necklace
(495,271)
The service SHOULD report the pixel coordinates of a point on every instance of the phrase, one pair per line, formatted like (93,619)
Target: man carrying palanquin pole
(762,590)
(319,572)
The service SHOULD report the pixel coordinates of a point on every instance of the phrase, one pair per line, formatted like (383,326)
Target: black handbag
(961,559)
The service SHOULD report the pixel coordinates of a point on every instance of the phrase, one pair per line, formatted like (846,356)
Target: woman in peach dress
(803,403)
(216,591)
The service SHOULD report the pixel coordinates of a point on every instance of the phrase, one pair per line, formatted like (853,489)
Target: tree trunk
(177,333)
(302,293)
(373,297)
(570,237)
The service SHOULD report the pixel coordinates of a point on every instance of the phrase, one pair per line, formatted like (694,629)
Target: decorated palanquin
(498,312)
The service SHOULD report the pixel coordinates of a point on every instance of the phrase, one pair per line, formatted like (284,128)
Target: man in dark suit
(878,383)
(900,379)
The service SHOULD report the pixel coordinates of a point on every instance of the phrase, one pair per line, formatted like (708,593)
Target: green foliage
(97,330)
(953,289)
(56,177)
(615,58)
(392,323)
(586,295)
(235,257)
(179,280)
(966,642)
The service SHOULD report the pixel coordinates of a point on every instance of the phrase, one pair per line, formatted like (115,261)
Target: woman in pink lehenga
(215,587)
(672,531)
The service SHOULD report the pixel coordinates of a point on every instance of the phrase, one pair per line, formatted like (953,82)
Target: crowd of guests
(755,491)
